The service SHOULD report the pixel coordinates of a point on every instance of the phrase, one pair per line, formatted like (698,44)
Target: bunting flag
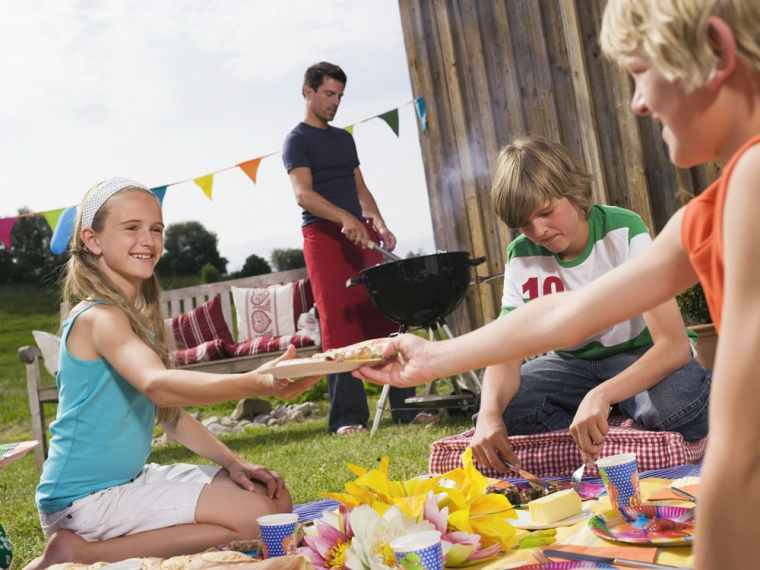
(6,226)
(63,230)
(52,217)
(160,192)
(206,183)
(62,220)
(251,168)
(421,110)
(391,117)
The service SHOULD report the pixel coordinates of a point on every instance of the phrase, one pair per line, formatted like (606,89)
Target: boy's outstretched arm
(561,319)
(729,499)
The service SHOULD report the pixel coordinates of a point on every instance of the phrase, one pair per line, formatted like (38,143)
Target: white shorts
(160,496)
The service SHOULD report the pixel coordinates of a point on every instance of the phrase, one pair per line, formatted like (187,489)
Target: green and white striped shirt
(615,235)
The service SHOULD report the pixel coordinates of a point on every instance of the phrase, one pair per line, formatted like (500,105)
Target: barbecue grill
(420,292)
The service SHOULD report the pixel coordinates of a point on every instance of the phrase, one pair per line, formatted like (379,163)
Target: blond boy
(696,68)
(643,365)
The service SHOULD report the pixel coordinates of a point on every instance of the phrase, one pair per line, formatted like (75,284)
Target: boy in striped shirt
(643,366)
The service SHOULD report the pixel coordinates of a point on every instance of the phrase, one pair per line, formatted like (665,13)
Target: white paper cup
(278,534)
(620,474)
(426,545)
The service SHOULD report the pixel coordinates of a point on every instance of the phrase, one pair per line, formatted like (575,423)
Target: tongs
(533,480)
(382,251)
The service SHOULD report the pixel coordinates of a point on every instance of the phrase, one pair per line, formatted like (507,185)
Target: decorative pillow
(203,324)
(266,311)
(204,352)
(555,454)
(263,344)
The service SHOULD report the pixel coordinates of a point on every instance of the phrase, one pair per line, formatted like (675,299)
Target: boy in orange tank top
(696,69)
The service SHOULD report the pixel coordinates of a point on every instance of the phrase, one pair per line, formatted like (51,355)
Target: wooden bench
(174,302)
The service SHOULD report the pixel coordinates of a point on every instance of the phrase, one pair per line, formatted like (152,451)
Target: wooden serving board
(304,367)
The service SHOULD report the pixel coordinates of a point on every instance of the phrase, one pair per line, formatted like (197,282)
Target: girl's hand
(282,387)
(407,364)
(590,425)
(244,473)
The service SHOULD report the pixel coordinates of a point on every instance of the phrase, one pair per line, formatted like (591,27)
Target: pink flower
(327,549)
(459,548)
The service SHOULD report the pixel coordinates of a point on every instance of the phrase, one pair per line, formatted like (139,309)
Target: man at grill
(340,218)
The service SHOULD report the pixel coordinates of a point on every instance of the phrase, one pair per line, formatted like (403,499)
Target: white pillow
(50,346)
(266,311)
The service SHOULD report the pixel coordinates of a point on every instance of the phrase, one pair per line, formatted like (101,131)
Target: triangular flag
(6,225)
(52,216)
(63,231)
(251,167)
(159,191)
(349,129)
(421,109)
(205,183)
(391,117)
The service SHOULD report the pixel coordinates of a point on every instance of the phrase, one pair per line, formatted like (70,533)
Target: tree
(210,274)
(254,265)
(189,246)
(289,258)
(6,266)
(31,258)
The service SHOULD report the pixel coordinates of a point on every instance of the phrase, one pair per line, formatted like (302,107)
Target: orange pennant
(251,167)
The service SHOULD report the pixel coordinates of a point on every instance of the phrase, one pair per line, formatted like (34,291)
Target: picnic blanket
(202,561)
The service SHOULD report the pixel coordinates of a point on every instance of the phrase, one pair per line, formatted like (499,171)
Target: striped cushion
(263,344)
(203,324)
(555,454)
(204,352)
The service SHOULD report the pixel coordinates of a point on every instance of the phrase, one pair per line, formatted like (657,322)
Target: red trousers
(346,315)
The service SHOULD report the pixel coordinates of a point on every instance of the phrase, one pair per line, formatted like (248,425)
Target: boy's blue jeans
(552,387)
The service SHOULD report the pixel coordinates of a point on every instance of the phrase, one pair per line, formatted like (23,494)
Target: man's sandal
(350,429)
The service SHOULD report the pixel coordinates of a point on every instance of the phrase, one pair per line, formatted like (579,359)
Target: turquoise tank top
(101,436)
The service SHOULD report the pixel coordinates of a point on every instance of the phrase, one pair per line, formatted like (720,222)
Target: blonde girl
(97,498)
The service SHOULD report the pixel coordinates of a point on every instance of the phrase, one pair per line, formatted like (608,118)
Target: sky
(171,90)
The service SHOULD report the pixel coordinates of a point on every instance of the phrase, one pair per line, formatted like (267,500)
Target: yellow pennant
(52,217)
(349,129)
(206,183)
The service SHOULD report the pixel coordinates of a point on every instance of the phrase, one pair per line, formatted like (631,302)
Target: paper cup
(620,474)
(278,533)
(426,545)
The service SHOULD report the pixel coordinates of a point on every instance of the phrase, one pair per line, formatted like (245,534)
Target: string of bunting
(61,220)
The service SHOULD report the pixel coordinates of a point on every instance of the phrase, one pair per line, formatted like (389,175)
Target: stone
(217,428)
(261,419)
(249,408)
(210,420)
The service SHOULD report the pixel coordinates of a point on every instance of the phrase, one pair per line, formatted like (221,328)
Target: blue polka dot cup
(419,550)
(278,534)
(620,474)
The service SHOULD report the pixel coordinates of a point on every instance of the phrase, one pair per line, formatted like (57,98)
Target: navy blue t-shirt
(331,155)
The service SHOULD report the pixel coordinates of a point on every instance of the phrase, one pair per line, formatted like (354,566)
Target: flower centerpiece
(374,509)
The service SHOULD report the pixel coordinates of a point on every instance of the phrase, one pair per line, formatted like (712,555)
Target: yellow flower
(336,557)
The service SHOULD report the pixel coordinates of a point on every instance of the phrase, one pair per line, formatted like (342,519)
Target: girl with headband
(98,499)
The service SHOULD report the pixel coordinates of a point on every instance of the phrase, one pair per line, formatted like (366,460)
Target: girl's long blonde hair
(83,280)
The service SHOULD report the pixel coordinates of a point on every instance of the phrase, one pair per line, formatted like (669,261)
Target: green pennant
(52,217)
(349,129)
(391,117)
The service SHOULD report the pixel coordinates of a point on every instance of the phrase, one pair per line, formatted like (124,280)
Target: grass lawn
(310,460)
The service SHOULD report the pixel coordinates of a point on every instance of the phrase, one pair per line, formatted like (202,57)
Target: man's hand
(354,230)
(244,474)
(407,363)
(490,443)
(282,387)
(590,425)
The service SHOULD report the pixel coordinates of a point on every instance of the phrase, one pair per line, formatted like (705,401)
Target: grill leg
(471,381)
(379,409)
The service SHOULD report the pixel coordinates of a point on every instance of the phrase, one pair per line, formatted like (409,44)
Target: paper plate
(566,565)
(525,522)
(303,367)
(646,525)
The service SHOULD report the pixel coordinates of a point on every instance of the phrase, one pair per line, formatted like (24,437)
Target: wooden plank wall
(491,70)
